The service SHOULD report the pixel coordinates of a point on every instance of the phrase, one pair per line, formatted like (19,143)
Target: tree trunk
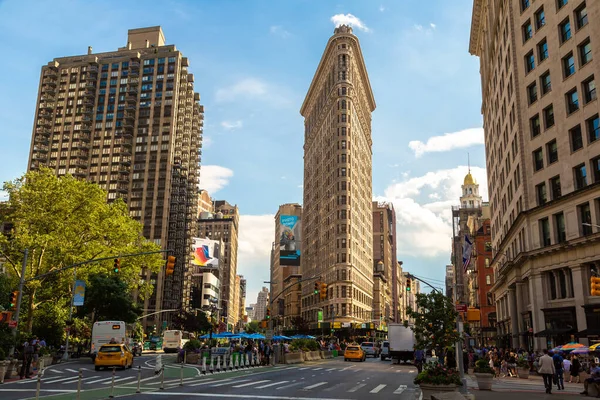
(30,310)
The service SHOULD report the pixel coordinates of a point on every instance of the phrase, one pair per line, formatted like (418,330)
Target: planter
(523,372)
(484,381)
(11,370)
(3,368)
(429,389)
(192,358)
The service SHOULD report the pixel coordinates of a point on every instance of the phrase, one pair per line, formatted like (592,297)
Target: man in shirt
(594,379)
(546,369)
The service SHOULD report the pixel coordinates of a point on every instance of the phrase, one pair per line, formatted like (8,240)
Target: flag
(467,250)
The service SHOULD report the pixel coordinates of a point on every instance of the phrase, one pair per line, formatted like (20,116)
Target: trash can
(335,353)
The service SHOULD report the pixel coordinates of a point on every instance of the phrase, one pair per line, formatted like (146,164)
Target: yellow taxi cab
(113,355)
(354,352)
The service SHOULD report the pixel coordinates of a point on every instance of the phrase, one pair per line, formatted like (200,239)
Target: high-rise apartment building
(130,121)
(242,298)
(205,203)
(540,109)
(223,225)
(337,231)
(385,278)
(286,252)
(262,302)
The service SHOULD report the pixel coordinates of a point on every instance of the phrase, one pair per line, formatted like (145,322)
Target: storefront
(560,326)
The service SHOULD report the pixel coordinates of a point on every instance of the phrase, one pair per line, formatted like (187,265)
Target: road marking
(119,380)
(290,385)
(54,370)
(48,390)
(50,380)
(207,381)
(71,370)
(271,384)
(98,380)
(82,379)
(377,389)
(233,396)
(355,388)
(334,387)
(229,383)
(302,369)
(315,385)
(251,383)
(400,389)
(316,369)
(331,369)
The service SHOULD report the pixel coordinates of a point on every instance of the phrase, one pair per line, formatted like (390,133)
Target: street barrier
(294,358)
(79,383)
(139,379)
(39,383)
(112,385)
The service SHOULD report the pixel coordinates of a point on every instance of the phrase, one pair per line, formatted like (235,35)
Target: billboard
(289,240)
(206,253)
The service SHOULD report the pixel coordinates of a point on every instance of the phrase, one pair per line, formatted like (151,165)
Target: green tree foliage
(189,322)
(63,221)
(7,285)
(49,323)
(435,321)
(252,327)
(107,298)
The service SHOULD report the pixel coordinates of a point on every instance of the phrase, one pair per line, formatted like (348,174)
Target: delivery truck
(402,343)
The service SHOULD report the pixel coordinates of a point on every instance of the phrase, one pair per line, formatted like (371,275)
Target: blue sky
(253,62)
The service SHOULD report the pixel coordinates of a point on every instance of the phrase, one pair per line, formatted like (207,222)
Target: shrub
(2,355)
(436,374)
(522,362)
(192,345)
(483,367)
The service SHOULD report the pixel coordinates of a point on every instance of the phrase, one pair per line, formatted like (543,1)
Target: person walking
(575,368)
(27,358)
(559,371)
(546,369)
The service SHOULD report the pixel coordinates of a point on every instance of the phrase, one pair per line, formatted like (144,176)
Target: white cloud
(381,8)
(246,88)
(214,178)
(423,209)
(279,31)
(350,20)
(448,141)
(230,125)
(418,27)
(256,236)
(432,25)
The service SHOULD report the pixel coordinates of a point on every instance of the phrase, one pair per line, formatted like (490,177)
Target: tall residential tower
(337,232)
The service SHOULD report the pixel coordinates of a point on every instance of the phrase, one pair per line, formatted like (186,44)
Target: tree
(107,298)
(252,327)
(189,322)
(63,221)
(434,321)
(300,324)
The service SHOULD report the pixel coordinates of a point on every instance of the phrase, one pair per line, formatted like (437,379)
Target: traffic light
(268,313)
(117,267)
(595,286)
(14,295)
(170,265)
(408,284)
(323,294)
(317,287)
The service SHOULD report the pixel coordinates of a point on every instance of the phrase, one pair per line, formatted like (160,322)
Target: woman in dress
(575,368)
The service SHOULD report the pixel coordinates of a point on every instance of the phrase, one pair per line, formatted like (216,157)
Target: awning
(554,332)
(588,332)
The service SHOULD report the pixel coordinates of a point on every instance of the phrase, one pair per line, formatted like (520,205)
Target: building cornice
(476,22)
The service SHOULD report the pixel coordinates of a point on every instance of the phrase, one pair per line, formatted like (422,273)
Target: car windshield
(110,349)
(367,344)
(353,348)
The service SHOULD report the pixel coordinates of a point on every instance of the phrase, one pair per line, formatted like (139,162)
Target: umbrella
(281,338)
(256,336)
(571,346)
(594,347)
(581,350)
(556,349)
(302,337)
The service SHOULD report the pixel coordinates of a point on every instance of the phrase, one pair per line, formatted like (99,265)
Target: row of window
(525,4)
(584,218)
(584,49)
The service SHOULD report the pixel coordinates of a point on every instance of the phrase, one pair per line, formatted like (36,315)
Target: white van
(385,351)
(105,331)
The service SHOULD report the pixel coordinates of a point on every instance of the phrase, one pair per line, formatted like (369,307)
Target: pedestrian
(575,368)
(419,357)
(267,352)
(546,369)
(594,379)
(27,358)
(559,371)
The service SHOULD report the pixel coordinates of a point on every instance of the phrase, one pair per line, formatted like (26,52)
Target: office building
(385,278)
(223,225)
(540,110)
(242,297)
(262,302)
(337,231)
(130,121)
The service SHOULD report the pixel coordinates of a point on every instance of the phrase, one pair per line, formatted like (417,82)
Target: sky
(253,62)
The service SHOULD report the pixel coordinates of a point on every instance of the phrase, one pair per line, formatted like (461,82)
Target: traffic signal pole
(19,299)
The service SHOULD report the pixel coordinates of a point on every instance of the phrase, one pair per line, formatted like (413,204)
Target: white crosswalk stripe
(250,383)
(271,384)
(52,380)
(355,388)
(206,382)
(400,389)
(82,379)
(331,369)
(315,385)
(98,380)
(71,370)
(229,383)
(377,389)
(288,386)
(118,380)
(316,369)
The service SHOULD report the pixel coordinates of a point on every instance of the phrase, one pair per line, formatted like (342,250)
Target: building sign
(289,240)
(206,253)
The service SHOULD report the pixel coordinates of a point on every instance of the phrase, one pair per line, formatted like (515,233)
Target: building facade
(540,112)
(242,302)
(262,302)
(205,203)
(223,225)
(130,121)
(337,217)
(385,268)
(292,300)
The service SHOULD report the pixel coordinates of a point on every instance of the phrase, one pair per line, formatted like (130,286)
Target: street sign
(461,307)
(269,334)
(12,324)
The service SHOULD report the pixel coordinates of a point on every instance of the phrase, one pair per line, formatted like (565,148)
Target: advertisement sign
(79,295)
(206,253)
(289,240)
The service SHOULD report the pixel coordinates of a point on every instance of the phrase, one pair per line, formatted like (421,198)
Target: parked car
(354,352)
(113,355)
(370,349)
(385,351)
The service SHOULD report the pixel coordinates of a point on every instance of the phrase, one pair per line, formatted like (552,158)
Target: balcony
(126,150)
(125,161)
(41,148)
(92,68)
(124,171)
(90,84)
(134,65)
(78,162)
(41,141)
(48,98)
(47,106)
(43,131)
(50,73)
(39,156)
(81,172)
(90,94)
(122,187)
(129,115)
(86,127)
(80,154)
(49,90)
(131,98)
(48,81)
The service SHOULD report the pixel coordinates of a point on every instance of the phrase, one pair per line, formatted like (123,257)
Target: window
(527,31)
(589,90)
(580,176)
(545,232)
(488,279)
(585,52)
(540,18)
(534,124)
(561,3)
(576,138)
(529,62)
(565,30)
(595,163)
(524,5)
(545,82)
(549,116)
(552,150)
(555,187)
(593,127)
(538,159)
(572,101)
(532,93)
(585,218)
(559,225)
(568,65)
(542,50)
(581,16)
(540,191)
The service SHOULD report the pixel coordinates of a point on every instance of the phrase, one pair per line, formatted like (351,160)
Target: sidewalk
(528,387)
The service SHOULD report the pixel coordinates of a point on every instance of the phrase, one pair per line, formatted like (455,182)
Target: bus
(105,331)
(173,340)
